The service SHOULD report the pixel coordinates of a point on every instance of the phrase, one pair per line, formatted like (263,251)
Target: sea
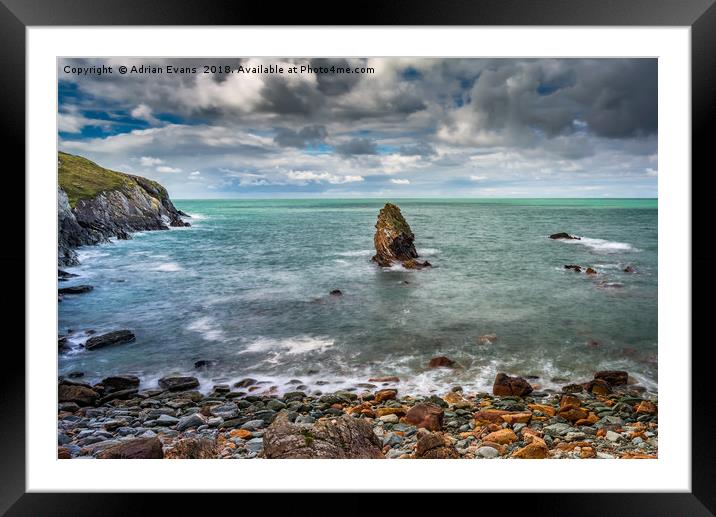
(247,288)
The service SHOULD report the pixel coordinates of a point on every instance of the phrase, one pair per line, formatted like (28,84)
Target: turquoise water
(247,286)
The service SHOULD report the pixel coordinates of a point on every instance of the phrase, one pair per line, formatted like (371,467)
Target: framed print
(308,258)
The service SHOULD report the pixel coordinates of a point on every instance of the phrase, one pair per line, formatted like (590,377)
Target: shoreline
(117,420)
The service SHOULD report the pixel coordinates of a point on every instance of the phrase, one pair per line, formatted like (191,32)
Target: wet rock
(510,386)
(119,395)
(344,437)
(629,269)
(193,448)
(441,362)
(64,275)
(391,378)
(591,271)
(202,364)
(535,450)
(75,289)
(646,407)
(573,388)
(137,448)
(394,240)
(382,395)
(563,235)
(245,383)
(75,375)
(427,416)
(573,267)
(598,387)
(116,337)
(120,382)
(486,339)
(336,292)
(435,446)
(80,395)
(502,437)
(613,377)
(178,382)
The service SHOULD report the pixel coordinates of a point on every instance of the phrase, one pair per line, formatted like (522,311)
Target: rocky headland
(394,240)
(604,418)
(95,204)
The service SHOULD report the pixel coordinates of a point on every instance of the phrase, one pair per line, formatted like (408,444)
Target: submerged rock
(116,337)
(340,438)
(75,289)
(564,235)
(441,362)
(394,240)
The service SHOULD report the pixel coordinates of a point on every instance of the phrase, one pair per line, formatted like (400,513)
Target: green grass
(81,178)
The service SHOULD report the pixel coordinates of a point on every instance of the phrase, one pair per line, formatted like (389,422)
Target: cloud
(652,172)
(144,112)
(148,161)
(306,176)
(441,125)
(357,146)
(308,135)
(166,169)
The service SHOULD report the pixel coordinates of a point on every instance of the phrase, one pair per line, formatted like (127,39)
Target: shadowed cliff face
(393,240)
(103,204)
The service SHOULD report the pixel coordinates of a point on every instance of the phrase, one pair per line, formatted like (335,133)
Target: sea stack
(394,240)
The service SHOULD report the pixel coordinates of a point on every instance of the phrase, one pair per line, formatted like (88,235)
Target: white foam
(208,328)
(168,267)
(357,253)
(428,252)
(601,245)
(197,217)
(292,346)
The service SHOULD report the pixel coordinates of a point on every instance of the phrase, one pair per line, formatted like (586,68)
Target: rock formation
(394,239)
(95,204)
(344,438)
(564,235)
(506,386)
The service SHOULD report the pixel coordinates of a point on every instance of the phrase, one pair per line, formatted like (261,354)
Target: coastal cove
(247,289)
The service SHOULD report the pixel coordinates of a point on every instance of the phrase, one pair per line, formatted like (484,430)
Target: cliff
(394,240)
(95,204)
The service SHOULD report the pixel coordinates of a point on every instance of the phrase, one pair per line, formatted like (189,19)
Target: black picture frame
(699,15)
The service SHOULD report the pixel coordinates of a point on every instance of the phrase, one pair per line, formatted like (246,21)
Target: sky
(406,127)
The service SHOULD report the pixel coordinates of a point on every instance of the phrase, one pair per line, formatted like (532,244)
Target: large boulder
(427,416)
(116,337)
(506,386)
(193,448)
(120,383)
(345,437)
(178,382)
(435,446)
(80,395)
(138,448)
(394,240)
(613,377)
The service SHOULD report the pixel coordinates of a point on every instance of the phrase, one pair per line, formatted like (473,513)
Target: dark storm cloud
(357,146)
(335,83)
(308,135)
(622,98)
(420,149)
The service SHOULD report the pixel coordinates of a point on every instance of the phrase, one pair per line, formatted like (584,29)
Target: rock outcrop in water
(95,204)
(394,240)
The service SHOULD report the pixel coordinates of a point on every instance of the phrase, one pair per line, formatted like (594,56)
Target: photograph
(357,258)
